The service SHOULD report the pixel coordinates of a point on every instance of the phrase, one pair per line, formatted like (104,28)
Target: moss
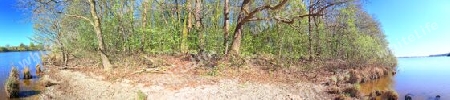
(12,84)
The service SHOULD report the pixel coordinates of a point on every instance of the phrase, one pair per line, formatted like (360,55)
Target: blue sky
(403,21)
(15,28)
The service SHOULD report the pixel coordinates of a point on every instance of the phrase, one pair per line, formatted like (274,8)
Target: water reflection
(382,84)
(422,78)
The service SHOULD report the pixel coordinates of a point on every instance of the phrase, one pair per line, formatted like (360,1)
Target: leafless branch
(81,17)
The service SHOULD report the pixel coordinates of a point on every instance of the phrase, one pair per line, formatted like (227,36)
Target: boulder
(408,97)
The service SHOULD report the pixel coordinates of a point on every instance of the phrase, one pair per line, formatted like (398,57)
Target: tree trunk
(186,29)
(131,22)
(198,15)
(226,26)
(61,44)
(310,49)
(97,28)
(236,44)
(198,24)
(144,25)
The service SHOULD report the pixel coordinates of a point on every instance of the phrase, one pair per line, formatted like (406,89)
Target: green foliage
(346,33)
(21,47)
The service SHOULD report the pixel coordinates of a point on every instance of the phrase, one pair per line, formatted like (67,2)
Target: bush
(12,84)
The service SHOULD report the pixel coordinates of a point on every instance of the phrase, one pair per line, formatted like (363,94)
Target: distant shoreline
(20,51)
(437,55)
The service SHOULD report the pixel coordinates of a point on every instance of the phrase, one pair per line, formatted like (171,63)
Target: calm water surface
(424,78)
(20,59)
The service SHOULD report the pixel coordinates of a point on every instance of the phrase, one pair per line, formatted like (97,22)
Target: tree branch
(81,17)
(261,8)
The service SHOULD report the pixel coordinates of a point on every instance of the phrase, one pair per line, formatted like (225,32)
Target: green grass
(141,96)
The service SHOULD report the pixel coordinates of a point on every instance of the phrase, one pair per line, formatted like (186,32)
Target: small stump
(26,73)
(12,84)
(38,69)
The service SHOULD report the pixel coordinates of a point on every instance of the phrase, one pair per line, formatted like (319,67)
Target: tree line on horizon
(22,47)
(289,30)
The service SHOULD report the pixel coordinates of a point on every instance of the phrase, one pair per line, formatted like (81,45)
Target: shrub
(12,84)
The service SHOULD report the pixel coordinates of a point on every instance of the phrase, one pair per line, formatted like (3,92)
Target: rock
(408,97)
(378,93)
(26,73)
(438,97)
(389,95)
(12,84)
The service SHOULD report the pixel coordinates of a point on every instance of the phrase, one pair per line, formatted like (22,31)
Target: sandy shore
(76,85)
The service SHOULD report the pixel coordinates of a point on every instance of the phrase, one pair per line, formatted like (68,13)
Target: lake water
(424,78)
(20,59)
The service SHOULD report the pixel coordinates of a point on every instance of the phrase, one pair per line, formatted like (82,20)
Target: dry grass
(27,73)
(389,95)
(38,69)
(12,84)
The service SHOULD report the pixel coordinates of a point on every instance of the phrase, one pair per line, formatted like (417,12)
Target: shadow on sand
(24,94)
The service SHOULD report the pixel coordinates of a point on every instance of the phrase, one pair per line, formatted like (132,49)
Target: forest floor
(178,79)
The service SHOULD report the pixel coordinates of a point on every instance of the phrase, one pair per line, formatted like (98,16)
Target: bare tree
(97,28)
(226,22)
